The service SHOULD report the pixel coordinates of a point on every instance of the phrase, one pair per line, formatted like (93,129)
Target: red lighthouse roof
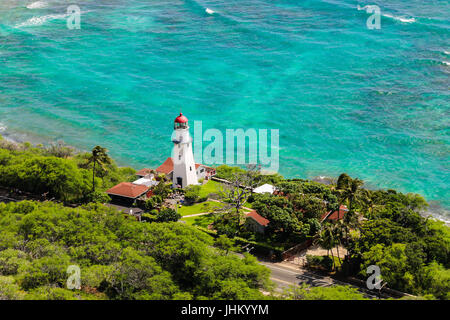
(181,119)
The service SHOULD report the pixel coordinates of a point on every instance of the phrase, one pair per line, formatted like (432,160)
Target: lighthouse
(184,169)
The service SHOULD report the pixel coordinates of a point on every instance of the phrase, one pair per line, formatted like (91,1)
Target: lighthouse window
(179,157)
(190,168)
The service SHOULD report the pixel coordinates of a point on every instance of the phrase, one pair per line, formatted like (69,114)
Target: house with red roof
(202,171)
(334,216)
(255,222)
(127,192)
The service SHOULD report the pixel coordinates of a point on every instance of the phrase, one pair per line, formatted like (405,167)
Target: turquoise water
(372,103)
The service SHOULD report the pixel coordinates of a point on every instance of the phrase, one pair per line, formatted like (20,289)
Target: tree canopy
(119,258)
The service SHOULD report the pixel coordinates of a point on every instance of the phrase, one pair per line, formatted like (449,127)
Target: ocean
(373,103)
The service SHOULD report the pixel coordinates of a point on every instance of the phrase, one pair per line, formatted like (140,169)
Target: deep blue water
(372,103)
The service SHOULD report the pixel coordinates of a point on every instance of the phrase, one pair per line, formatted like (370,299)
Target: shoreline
(435,209)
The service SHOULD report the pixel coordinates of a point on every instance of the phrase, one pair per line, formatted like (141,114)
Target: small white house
(265,188)
(146,182)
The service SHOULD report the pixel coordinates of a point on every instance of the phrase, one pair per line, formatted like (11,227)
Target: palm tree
(342,185)
(349,190)
(326,240)
(338,230)
(98,157)
(354,193)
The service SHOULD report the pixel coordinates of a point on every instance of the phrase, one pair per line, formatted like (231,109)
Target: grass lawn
(207,206)
(202,221)
(210,187)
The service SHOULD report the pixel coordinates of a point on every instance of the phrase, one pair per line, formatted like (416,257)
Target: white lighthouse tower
(184,171)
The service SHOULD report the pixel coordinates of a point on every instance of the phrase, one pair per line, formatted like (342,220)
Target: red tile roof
(334,216)
(143,172)
(202,165)
(166,167)
(128,190)
(255,216)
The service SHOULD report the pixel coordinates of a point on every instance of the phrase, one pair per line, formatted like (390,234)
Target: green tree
(224,243)
(326,239)
(99,156)
(324,293)
(168,215)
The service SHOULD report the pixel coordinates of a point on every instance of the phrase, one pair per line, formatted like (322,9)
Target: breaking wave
(401,19)
(37,5)
(37,21)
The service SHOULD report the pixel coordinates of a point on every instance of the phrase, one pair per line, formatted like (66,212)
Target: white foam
(2,127)
(447,52)
(37,21)
(446,63)
(37,5)
(209,11)
(401,19)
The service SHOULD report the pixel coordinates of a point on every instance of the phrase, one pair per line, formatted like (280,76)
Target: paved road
(285,275)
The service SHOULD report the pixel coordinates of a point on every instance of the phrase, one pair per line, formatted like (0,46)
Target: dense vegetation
(119,258)
(324,293)
(383,228)
(57,172)
(160,259)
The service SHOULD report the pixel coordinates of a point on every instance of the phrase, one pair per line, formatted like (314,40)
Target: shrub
(320,262)
(167,215)
(192,194)
(98,197)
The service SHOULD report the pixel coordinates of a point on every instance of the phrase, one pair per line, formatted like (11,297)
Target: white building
(265,188)
(202,171)
(184,171)
(181,167)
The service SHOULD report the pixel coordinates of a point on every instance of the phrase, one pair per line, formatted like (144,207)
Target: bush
(98,197)
(320,262)
(192,194)
(152,203)
(167,215)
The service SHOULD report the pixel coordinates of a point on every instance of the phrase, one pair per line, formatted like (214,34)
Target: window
(190,168)
(179,157)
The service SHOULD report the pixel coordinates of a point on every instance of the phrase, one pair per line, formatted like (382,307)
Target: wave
(2,127)
(401,19)
(387,15)
(37,21)
(37,5)
(447,52)
(446,63)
